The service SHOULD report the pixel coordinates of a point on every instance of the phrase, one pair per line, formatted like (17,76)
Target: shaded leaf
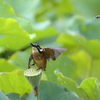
(3,97)
(31,6)
(6,10)
(40,34)
(64,65)
(25,24)
(88,8)
(52,91)
(20,59)
(29,96)
(13,96)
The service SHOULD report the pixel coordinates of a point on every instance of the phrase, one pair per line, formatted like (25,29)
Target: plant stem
(90,68)
(37,97)
(36,92)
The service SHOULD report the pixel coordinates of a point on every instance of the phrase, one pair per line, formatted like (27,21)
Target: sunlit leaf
(61,8)
(82,60)
(8,12)
(5,66)
(71,85)
(12,36)
(72,41)
(41,21)
(89,86)
(92,47)
(14,82)
(87,89)
(78,41)
(96,68)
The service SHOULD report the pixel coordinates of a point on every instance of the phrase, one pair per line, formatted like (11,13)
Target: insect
(98,16)
(41,55)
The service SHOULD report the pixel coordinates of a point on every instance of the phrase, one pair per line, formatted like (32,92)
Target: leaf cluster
(66,24)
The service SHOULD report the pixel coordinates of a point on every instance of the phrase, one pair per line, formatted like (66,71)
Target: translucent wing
(53,53)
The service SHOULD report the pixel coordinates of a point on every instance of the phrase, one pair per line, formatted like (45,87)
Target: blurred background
(69,24)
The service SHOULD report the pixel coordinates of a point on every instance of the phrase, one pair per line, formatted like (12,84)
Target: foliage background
(50,23)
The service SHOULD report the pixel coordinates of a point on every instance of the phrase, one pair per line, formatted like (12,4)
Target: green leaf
(20,58)
(14,82)
(64,65)
(46,90)
(28,96)
(92,47)
(52,91)
(5,66)
(12,36)
(82,60)
(3,97)
(98,92)
(6,10)
(87,8)
(90,29)
(61,7)
(13,96)
(96,68)
(25,24)
(31,6)
(71,85)
(88,88)
(40,34)
(74,42)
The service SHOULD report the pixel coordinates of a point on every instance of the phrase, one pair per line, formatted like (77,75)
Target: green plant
(66,24)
